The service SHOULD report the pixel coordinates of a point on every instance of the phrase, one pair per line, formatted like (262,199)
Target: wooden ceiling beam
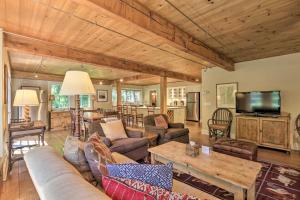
(137,77)
(151,22)
(51,77)
(48,49)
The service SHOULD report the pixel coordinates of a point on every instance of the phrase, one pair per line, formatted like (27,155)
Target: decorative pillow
(74,154)
(156,192)
(114,130)
(160,122)
(120,191)
(98,156)
(158,175)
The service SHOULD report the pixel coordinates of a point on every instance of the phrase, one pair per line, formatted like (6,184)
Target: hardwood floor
(19,185)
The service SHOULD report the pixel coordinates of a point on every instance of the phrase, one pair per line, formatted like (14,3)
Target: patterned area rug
(275,182)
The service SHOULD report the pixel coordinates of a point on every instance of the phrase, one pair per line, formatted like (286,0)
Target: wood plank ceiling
(192,35)
(241,29)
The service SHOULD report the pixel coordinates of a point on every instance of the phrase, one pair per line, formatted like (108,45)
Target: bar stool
(151,110)
(126,115)
(137,117)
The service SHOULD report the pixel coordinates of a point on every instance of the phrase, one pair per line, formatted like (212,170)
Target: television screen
(258,102)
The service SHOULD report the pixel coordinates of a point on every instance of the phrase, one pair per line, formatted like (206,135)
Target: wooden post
(77,116)
(163,95)
(119,93)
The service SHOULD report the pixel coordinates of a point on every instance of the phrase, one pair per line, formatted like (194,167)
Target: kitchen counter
(175,113)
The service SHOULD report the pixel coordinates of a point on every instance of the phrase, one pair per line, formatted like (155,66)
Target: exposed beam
(155,24)
(137,77)
(119,93)
(50,77)
(163,95)
(48,49)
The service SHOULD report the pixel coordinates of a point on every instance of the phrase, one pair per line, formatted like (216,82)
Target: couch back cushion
(114,130)
(98,156)
(160,122)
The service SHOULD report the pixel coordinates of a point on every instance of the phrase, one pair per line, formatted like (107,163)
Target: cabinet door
(274,132)
(247,129)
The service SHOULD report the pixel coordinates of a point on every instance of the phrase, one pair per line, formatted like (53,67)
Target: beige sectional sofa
(54,178)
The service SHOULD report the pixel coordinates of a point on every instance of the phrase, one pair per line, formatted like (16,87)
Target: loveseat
(54,178)
(174,132)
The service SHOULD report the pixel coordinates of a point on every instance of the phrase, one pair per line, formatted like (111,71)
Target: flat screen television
(260,102)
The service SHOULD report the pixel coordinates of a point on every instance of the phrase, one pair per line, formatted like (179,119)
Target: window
(85,101)
(60,102)
(128,96)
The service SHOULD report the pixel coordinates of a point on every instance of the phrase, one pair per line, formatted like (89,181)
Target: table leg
(239,194)
(153,161)
(9,153)
(251,192)
(43,137)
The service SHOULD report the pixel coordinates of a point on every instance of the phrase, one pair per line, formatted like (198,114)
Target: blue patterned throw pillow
(157,175)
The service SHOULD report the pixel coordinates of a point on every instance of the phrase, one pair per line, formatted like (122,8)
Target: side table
(20,130)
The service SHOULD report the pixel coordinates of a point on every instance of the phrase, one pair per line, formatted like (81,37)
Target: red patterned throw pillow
(153,191)
(117,190)
(160,122)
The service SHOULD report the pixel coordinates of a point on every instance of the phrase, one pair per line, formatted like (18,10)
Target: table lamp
(77,83)
(26,98)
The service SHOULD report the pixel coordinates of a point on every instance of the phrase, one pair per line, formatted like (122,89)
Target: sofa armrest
(176,125)
(120,158)
(158,130)
(134,133)
(106,141)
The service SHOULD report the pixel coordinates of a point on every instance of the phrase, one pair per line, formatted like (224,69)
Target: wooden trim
(151,22)
(48,49)
(137,77)
(50,77)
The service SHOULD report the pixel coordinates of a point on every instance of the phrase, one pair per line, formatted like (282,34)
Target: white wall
(276,73)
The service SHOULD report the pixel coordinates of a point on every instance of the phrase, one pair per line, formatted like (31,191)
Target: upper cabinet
(177,93)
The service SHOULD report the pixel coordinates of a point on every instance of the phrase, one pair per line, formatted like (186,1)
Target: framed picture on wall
(226,95)
(102,95)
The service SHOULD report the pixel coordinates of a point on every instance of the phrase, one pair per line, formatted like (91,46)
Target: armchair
(174,132)
(220,123)
(134,147)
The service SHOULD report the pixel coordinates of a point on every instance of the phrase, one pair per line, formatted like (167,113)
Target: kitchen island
(175,114)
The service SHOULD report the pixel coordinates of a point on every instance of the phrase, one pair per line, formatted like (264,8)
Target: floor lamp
(77,83)
(26,98)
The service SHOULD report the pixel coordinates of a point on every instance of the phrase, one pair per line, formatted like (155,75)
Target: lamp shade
(77,83)
(26,98)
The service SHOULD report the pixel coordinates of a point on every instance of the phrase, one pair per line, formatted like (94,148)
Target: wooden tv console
(272,131)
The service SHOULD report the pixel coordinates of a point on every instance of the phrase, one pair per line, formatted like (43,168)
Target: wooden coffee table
(152,138)
(233,174)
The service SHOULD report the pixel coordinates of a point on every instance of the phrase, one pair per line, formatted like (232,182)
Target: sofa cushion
(128,144)
(176,132)
(160,122)
(158,175)
(97,155)
(74,154)
(120,191)
(114,130)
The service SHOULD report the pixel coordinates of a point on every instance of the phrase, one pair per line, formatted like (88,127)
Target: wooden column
(119,94)
(163,95)
(77,116)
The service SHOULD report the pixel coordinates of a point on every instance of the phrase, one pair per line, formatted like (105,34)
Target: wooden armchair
(297,123)
(220,123)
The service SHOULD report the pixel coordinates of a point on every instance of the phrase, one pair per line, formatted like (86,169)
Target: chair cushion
(114,130)
(176,132)
(160,122)
(235,146)
(128,144)
(219,126)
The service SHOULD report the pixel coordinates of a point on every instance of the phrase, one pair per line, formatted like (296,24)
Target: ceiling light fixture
(121,80)
(101,83)
(36,76)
